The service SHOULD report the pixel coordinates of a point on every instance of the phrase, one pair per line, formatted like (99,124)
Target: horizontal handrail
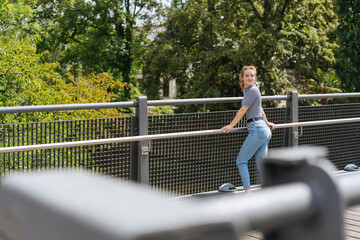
(209,100)
(317,123)
(161,136)
(66,107)
(87,106)
(329,95)
(238,99)
(350,194)
(288,203)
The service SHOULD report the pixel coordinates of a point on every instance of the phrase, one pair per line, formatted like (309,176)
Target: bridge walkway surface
(352,226)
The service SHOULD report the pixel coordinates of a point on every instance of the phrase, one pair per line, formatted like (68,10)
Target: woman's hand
(226,129)
(271,125)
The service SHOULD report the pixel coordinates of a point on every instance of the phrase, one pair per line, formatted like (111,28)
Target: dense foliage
(87,36)
(348,57)
(30,76)
(206,43)
(26,79)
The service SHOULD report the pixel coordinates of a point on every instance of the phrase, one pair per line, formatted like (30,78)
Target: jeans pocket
(263,133)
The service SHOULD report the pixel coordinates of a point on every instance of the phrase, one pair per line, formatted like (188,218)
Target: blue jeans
(256,143)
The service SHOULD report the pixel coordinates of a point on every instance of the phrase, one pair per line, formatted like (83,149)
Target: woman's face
(249,77)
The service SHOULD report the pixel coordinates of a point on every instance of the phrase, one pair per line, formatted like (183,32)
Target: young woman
(256,143)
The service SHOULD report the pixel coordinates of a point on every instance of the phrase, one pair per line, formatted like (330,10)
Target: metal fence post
(291,135)
(134,148)
(143,146)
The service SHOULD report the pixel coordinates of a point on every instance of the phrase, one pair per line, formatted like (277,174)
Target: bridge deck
(352,223)
(352,226)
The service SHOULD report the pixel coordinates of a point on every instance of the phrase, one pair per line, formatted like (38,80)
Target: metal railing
(161,136)
(148,161)
(175,102)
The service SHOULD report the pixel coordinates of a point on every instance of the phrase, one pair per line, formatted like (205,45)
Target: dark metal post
(143,146)
(307,165)
(291,135)
(134,149)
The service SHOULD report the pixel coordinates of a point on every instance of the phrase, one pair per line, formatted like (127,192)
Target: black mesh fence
(183,165)
(202,163)
(342,140)
(112,159)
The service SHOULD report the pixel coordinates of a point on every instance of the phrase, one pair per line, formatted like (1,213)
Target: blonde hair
(242,74)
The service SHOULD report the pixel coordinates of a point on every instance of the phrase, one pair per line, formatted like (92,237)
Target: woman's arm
(270,124)
(237,118)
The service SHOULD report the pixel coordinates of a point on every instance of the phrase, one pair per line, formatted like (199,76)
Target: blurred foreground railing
(300,199)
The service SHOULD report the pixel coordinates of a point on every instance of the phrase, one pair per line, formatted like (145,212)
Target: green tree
(206,43)
(93,36)
(296,36)
(14,16)
(348,56)
(196,49)
(26,79)
(327,82)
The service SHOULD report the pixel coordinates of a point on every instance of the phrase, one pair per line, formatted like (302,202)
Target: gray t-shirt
(252,100)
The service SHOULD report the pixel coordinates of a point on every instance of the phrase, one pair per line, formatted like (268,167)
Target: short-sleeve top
(252,100)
